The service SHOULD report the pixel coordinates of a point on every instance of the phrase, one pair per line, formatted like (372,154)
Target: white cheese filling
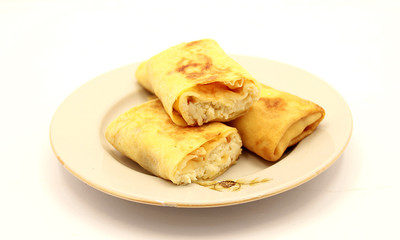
(210,160)
(216,102)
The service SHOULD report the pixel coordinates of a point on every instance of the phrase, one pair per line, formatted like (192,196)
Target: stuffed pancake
(197,82)
(182,155)
(277,121)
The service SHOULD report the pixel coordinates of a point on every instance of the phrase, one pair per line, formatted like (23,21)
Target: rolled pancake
(277,121)
(182,155)
(198,82)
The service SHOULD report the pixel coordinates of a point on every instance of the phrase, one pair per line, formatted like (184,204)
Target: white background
(49,48)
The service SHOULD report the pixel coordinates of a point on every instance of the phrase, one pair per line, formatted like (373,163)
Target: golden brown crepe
(198,82)
(276,121)
(183,155)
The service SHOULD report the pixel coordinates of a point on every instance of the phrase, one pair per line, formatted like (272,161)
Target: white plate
(78,126)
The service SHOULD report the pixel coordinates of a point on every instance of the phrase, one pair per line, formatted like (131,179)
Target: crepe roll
(277,121)
(182,155)
(198,82)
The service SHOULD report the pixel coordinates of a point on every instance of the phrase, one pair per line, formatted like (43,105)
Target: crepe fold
(182,155)
(198,82)
(276,121)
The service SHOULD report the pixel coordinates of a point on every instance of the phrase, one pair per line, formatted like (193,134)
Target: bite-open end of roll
(215,102)
(197,82)
(209,160)
(182,155)
(277,121)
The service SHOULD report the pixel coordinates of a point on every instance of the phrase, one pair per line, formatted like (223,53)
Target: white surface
(49,48)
